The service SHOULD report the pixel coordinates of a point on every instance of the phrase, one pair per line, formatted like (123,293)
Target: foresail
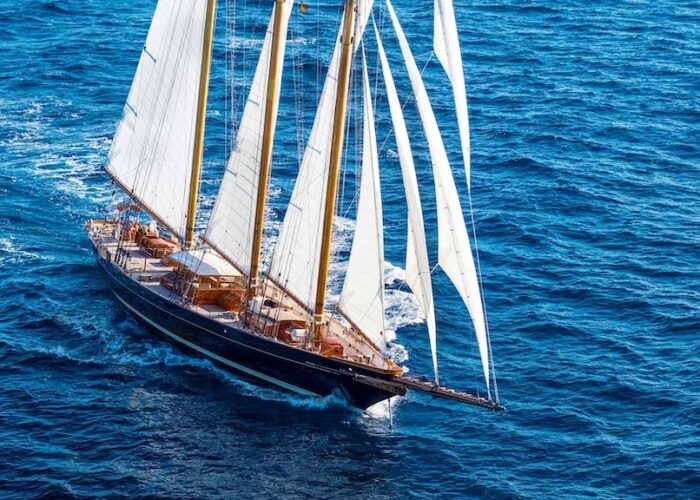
(362,298)
(232,223)
(151,154)
(448,52)
(417,263)
(295,260)
(455,256)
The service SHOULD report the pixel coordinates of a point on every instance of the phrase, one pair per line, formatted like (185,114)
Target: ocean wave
(12,253)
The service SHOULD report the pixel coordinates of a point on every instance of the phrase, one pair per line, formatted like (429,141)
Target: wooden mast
(199,124)
(334,166)
(271,106)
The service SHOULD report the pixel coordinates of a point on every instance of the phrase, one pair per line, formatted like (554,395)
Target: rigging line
(285,248)
(346,145)
(406,101)
(483,298)
(376,76)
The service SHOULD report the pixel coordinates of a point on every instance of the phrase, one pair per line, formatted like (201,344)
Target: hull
(247,354)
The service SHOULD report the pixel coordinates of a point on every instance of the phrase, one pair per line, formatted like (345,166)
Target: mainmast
(334,165)
(199,123)
(271,107)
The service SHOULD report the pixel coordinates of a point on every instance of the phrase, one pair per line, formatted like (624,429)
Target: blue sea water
(586,176)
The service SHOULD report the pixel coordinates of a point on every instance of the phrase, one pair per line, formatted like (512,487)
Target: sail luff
(448,51)
(455,255)
(418,275)
(362,297)
(232,224)
(200,124)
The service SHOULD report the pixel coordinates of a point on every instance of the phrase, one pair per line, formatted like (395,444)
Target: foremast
(334,167)
(200,123)
(271,108)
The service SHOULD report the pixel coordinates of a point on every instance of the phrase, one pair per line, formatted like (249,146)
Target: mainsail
(417,263)
(455,255)
(448,52)
(295,261)
(362,298)
(232,221)
(152,152)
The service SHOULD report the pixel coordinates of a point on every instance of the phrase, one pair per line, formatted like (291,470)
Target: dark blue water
(586,190)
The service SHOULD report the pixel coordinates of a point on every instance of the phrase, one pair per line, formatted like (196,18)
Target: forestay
(448,52)
(232,221)
(151,155)
(362,298)
(417,264)
(455,256)
(295,260)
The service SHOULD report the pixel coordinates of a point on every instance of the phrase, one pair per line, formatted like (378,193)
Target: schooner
(209,293)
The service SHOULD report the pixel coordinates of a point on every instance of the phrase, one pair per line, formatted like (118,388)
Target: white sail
(151,155)
(417,263)
(294,263)
(448,52)
(455,256)
(362,298)
(295,259)
(232,223)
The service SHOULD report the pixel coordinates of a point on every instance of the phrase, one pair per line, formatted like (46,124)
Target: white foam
(239,42)
(10,253)
(300,40)
(383,410)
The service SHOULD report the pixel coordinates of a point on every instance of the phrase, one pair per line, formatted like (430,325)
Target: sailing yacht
(209,292)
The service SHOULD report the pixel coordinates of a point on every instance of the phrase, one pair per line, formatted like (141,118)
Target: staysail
(362,298)
(232,223)
(152,151)
(448,52)
(295,260)
(455,255)
(417,263)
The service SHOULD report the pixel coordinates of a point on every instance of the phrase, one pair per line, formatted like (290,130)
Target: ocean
(585,125)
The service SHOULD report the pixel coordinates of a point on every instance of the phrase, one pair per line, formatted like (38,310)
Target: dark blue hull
(264,360)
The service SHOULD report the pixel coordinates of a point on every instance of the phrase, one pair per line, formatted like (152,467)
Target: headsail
(151,155)
(448,52)
(295,260)
(455,255)
(417,263)
(232,221)
(362,297)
